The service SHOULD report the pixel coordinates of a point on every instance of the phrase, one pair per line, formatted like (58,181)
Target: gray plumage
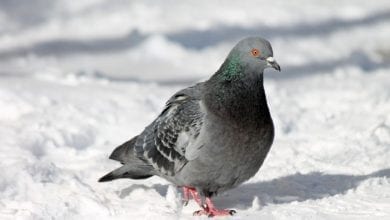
(211,136)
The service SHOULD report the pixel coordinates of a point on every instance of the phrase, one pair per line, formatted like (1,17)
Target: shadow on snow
(296,187)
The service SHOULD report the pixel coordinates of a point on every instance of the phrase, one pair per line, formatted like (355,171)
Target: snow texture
(78,78)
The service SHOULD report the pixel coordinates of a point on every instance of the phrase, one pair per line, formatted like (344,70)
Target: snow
(78,78)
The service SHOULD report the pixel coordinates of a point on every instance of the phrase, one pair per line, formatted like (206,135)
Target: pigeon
(210,137)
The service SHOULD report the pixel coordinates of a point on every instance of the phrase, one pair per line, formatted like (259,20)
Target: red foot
(187,191)
(215,212)
(208,208)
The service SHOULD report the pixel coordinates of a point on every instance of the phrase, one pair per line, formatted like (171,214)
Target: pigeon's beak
(272,63)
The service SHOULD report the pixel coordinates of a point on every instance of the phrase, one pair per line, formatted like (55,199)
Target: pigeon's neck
(231,69)
(240,100)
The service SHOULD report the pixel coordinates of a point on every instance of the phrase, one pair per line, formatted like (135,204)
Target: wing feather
(164,142)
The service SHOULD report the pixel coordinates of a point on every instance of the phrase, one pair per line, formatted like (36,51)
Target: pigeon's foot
(210,210)
(215,212)
(187,191)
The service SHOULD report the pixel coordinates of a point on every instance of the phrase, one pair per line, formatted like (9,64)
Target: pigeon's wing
(171,140)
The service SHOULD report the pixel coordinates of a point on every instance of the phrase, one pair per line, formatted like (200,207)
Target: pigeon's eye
(255,52)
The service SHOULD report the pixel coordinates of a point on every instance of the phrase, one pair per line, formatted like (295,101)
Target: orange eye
(255,52)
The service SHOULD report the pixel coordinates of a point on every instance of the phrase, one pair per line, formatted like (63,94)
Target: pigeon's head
(255,53)
(250,55)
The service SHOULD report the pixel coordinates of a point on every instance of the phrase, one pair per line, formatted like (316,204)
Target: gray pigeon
(210,137)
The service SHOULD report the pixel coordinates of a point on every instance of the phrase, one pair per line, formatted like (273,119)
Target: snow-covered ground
(78,78)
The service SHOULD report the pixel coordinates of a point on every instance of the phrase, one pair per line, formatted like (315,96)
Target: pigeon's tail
(128,171)
(125,152)
(133,167)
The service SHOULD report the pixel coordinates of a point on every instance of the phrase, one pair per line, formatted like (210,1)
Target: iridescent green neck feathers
(232,68)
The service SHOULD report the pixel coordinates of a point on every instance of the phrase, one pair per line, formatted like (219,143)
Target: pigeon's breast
(229,155)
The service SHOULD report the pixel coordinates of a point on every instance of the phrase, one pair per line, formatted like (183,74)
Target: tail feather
(107,178)
(124,152)
(127,171)
(133,167)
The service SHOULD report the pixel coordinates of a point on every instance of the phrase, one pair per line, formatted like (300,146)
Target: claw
(199,213)
(214,212)
(232,212)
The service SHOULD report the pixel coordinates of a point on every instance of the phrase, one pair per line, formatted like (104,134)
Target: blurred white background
(185,40)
